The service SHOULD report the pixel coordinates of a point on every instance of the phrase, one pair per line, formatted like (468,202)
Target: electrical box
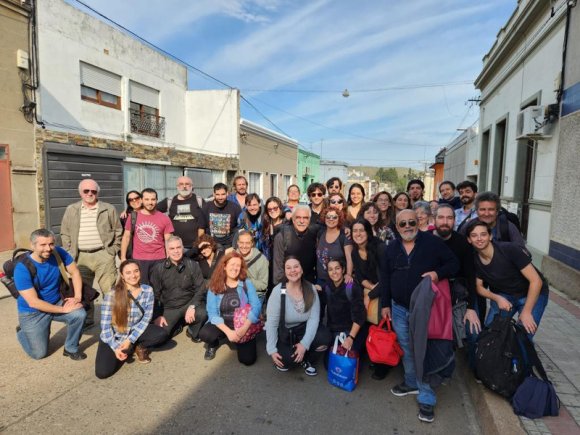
(21,59)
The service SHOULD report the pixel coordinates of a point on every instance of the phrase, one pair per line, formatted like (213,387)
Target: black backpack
(18,256)
(499,359)
(503,219)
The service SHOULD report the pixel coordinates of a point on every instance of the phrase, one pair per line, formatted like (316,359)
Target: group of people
(226,268)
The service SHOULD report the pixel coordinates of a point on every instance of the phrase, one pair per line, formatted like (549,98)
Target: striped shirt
(89,237)
(136,322)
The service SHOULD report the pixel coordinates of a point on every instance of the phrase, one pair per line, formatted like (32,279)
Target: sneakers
(403,390)
(76,356)
(309,369)
(142,354)
(281,369)
(426,413)
(210,353)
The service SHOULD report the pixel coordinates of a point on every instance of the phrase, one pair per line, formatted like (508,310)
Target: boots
(142,354)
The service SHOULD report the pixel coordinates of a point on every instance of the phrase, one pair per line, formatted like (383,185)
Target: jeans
(518,306)
(400,318)
(35,331)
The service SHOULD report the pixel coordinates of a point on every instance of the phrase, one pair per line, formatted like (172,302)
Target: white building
(522,69)
(462,157)
(333,168)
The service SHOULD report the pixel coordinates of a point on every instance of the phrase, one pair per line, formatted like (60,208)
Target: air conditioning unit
(532,123)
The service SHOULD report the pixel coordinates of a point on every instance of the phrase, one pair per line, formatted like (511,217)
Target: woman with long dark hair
(355,199)
(125,327)
(401,201)
(209,254)
(293,330)
(228,290)
(370,211)
(384,202)
(134,202)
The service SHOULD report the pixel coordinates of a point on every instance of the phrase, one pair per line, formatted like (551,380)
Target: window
(161,178)
(287,182)
(255,183)
(273,184)
(100,86)
(144,111)
(204,180)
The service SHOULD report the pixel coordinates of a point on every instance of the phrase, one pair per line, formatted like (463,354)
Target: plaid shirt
(137,322)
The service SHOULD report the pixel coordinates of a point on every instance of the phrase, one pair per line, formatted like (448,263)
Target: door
(7,239)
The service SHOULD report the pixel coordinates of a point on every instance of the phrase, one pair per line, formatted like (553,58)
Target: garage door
(66,165)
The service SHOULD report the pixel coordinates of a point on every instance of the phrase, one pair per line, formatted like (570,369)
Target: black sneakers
(426,413)
(309,369)
(76,356)
(210,353)
(403,389)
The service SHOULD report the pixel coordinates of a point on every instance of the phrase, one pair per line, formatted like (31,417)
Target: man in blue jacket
(406,261)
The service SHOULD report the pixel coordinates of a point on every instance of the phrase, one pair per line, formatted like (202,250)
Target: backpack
(18,256)
(170,200)
(500,363)
(504,217)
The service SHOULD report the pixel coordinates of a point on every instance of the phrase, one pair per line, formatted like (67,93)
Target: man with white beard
(184,210)
(407,260)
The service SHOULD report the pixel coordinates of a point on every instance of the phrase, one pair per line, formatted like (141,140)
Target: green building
(308,169)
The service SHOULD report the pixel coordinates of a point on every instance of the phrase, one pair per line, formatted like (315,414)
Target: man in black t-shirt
(514,283)
(221,216)
(185,212)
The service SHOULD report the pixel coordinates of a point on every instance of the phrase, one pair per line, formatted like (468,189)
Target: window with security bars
(144,111)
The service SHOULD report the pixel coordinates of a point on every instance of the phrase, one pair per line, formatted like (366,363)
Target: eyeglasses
(411,223)
(87,191)
(331,217)
(316,194)
(273,208)
(135,198)
(336,201)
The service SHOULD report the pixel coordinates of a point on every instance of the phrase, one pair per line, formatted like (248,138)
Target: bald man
(184,210)
(91,232)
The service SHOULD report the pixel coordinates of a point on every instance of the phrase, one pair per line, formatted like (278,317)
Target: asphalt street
(180,392)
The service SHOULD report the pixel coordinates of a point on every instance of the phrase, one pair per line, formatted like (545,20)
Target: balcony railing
(147,124)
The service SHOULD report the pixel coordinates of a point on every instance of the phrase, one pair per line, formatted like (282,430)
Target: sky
(409,66)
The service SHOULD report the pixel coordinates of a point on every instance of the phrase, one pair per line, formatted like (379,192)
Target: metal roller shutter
(143,95)
(100,79)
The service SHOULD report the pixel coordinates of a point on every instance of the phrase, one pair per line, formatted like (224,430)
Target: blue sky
(292,59)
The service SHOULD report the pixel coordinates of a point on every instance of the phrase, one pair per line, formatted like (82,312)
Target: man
(316,192)
(298,240)
(407,260)
(415,189)
(221,216)
(457,243)
(488,208)
(447,194)
(467,191)
(514,283)
(256,263)
(91,232)
(152,229)
(185,212)
(40,302)
(180,292)
(334,185)
(238,196)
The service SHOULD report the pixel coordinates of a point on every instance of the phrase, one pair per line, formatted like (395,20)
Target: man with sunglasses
(409,258)
(316,192)
(91,232)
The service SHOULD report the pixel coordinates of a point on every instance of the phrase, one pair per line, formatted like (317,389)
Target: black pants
(247,352)
(175,317)
(106,362)
(145,267)
(322,338)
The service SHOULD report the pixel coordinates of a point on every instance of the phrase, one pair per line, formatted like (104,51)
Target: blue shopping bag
(342,366)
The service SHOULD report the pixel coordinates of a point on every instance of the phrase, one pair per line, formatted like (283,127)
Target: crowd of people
(227,268)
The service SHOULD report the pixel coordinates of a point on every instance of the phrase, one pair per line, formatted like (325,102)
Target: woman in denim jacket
(229,289)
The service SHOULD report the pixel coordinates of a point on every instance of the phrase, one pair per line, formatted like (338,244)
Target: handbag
(382,344)
(342,365)
(535,397)
(240,315)
(66,289)
(287,335)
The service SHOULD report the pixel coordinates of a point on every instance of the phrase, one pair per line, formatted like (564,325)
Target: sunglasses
(87,191)
(331,217)
(336,201)
(135,198)
(273,208)
(411,223)
(202,247)
(316,194)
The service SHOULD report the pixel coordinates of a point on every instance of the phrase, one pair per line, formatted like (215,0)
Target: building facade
(333,168)
(518,138)
(308,169)
(461,157)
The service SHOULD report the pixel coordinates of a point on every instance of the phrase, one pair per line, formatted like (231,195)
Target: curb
(494,414)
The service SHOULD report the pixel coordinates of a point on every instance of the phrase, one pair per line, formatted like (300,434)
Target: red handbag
(382,344)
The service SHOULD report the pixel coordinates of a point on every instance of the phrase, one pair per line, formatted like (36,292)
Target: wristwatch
(192,306)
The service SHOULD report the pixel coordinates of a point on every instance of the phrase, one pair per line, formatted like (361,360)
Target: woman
(355,198)
(401,201)
(293,200)
(337,202)
(332,243)
(447,192)
(384,202)
(229,289)
(297,338)
(134,203)
(365,258)
(345,308)
(209,253)
(424,216)
(125,327)
(372,214)
(249,219)
(273,217)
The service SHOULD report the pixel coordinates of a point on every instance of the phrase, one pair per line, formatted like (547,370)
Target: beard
(409,237)
(185,193)
(466,200)
(444,231)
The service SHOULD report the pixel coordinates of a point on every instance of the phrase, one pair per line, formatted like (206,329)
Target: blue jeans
(35,331)
(518,306)
(400,317)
